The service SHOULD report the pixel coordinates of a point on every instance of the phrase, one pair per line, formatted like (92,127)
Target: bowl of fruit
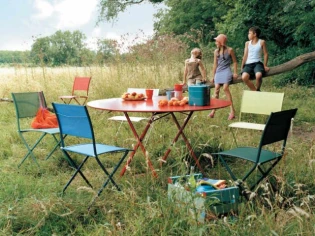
(133,96)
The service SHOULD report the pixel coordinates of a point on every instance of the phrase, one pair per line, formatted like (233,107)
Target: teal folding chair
(26,106)
(261,158)
(74,120)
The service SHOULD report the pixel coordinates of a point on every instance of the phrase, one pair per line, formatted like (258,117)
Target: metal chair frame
(79,84)
(276,130)
(74,120)
(26,106)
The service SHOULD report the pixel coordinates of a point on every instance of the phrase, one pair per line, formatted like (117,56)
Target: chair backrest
(262,103)
(74,120)
(27,104)
(81,84)
(142,90)
(277,127)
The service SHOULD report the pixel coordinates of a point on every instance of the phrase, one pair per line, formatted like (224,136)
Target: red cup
(178,87)
(149,93)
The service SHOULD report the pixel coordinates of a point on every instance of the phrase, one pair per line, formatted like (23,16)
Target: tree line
(62,48)
(287,26)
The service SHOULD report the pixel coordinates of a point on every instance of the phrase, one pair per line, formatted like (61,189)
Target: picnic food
(173,102)
(217,184)
(133,96)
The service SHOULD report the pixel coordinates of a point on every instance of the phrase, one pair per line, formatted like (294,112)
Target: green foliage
(109,10)
(106,50)
(59,49)
(190,19)
(14,57)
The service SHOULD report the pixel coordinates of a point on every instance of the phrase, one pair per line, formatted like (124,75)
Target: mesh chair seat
(251,153)
(88,149)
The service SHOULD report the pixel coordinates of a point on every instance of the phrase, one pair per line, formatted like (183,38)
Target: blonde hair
(197,53)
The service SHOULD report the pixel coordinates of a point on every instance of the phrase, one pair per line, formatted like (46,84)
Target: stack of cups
(178,91)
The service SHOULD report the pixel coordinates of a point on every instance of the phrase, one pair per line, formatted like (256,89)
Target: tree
(40,52)
(66,47)
(60,48)
(109,9)
(288,27)
(106,50)
(194,20)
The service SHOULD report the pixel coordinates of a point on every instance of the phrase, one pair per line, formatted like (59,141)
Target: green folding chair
(74,120)
(26,106)
(261,158)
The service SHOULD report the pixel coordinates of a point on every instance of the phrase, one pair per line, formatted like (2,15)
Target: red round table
(157,112)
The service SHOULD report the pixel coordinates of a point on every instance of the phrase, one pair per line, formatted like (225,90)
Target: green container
(221,201)
(199,95)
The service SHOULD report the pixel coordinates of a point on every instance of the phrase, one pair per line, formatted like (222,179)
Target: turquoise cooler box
(217,201)
(199,95)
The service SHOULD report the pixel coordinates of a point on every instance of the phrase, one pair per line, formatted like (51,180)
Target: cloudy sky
(21,20)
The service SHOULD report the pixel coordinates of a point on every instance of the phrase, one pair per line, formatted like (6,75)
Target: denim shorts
(253,68)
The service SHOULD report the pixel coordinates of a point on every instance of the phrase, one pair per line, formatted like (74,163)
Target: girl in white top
(252,61)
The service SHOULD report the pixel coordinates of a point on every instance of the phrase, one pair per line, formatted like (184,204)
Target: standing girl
(194,71)
(222,74)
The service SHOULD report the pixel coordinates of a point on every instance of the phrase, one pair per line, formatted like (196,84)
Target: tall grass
(31,202)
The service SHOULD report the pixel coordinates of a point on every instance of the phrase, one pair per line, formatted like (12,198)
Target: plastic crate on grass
(217,201)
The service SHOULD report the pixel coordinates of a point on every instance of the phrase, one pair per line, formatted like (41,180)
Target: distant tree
(66,47)
(60,48)
(40,52)
(109,9)
(106,50)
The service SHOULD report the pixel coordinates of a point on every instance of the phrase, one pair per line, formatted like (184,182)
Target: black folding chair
(74,120)
(261,159)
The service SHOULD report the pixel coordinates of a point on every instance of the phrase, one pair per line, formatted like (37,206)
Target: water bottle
(192,180)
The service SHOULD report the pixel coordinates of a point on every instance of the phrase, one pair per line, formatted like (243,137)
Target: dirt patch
(304,132)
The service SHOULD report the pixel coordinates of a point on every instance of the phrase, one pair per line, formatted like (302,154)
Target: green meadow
(31,199)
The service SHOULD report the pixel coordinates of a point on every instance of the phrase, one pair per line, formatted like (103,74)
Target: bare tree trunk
(288,66)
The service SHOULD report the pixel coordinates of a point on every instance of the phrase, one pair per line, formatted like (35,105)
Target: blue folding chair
(26,106)
(74,120)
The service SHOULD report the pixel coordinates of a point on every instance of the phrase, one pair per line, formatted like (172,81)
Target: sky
(23,20)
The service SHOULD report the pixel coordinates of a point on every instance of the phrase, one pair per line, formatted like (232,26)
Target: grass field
(31,202)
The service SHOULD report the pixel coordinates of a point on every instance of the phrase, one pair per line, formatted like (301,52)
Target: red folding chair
(80,91)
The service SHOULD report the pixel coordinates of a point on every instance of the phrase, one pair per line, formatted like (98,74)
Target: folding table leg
(181,133)
(139,144)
